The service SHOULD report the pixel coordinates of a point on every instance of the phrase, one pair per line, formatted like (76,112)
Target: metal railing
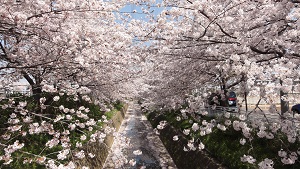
(6,93)
(259,115)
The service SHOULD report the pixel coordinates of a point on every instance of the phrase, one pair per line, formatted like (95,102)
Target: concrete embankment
(101,151)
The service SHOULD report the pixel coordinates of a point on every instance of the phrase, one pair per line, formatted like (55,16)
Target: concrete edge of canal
(101,150)
(183,159)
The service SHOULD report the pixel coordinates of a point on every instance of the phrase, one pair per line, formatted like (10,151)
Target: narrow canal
(137,146)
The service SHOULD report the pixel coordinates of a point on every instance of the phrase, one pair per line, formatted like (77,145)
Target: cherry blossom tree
(253,45)
(226,43)
(60,45)
(73,50)
(64,41)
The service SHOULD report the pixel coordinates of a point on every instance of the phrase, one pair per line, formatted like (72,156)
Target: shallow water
(140,132)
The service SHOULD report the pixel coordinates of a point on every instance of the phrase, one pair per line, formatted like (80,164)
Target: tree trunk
(284,105)
(224,103)
(35,86)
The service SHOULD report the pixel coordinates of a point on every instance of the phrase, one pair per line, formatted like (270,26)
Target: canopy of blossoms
(161,52)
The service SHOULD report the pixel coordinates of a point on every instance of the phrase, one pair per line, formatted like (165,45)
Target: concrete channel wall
(101,150)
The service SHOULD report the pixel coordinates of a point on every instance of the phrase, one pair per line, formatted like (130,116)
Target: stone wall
(101,150)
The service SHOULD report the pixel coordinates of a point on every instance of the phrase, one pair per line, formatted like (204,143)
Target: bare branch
(237,82)
(3,50)
(189,2)
(278,54)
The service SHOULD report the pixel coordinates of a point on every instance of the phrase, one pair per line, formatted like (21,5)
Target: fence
(16,89)
(294,98)
(255,116)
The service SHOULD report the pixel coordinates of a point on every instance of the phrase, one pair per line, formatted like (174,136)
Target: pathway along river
(135,135)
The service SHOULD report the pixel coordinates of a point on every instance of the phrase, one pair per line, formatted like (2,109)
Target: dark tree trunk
(35,86)
(224,102)
(284,105)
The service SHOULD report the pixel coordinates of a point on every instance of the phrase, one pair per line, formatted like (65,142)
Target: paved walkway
(136,143)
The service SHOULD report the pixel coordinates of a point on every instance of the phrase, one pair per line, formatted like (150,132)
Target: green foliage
(118,105)
(225,145)
(35,143)
(111,113)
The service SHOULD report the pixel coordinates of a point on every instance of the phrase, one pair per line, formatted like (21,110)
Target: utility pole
(245,98)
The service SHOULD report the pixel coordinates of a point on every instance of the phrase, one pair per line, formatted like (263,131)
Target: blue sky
(139,13)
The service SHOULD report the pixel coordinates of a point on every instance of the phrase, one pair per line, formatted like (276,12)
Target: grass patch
(111,113)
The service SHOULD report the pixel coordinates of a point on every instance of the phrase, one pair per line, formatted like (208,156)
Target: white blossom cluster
(59,129)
